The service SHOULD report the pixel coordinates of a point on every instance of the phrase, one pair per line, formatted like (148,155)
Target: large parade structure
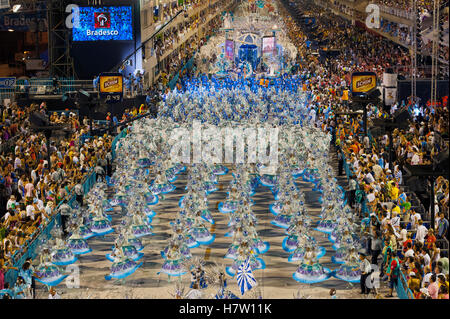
(251,42)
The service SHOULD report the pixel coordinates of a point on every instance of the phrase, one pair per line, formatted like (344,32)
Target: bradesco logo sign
(102,22)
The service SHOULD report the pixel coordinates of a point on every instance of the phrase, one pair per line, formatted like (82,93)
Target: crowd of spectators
(175,60)
(11,124)
(31,189)
(424,6)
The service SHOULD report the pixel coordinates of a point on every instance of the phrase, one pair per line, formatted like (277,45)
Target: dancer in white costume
(46,272)
(310,270)
(62,255)
(123,265)
(350,271)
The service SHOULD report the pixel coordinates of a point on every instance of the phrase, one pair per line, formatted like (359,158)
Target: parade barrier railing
(402,288)
(43,86)
(122,134)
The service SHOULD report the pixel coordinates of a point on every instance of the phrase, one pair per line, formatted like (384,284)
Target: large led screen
(103,23)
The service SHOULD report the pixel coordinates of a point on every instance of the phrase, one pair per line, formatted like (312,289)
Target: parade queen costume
(298,236)
(328,220)
(140,225)
(131,240)
(178,239)
(160,184)
(200,232)
(231,203)
(284,219)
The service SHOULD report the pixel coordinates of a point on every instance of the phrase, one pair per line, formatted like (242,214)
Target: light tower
(413,50)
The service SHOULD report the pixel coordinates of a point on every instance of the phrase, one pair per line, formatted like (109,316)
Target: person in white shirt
(49,208)
(398,174)
(366,142)
(415,217)
(75,158)
(33,176)
(369,178)
(426,256)
(384,222)
(39,203)
(410,251)
(82,158)
(312,114)
(403,235)
(393,108)
(375,158)
(30,211)
(11,203)
(17,163)
(377,170)
(365,272)
(395,221)
(415,159)
(78,189)
(355,164)
(421,232)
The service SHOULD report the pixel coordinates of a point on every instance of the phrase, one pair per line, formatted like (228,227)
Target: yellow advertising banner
(111,84)
(363,82)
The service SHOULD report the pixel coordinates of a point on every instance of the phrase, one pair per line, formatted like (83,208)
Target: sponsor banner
(111,87)
(7,83)
(22,22)
(390,79)
(363,82)
(390,96)
(111,83)
(103,23)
